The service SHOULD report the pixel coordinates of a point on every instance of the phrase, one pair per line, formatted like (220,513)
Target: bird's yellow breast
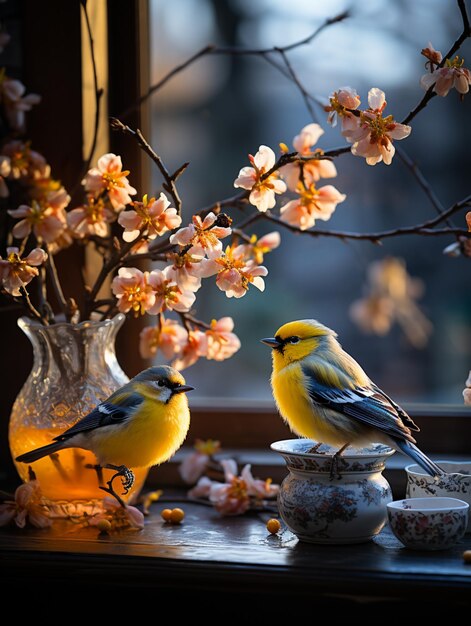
(150,437)
(296,408)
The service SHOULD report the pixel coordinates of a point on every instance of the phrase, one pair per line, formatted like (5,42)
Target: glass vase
(75,368)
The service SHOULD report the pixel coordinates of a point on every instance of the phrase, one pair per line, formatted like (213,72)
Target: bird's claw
(127,478)
(127,481)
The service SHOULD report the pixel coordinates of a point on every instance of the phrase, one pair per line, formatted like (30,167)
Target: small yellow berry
(104,526)
(467,556)
(176,516)
(273,526)
(166,514)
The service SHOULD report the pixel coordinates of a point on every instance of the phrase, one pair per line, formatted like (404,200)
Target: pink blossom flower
(196,346)
(451,76)
(230,498)
(195,463)
(257,248)
(168,337)
(27,506)
(312,204)
(202,489)
(235,273)
(15,103)
(434,56)
(373,138)
(192,467)
(391,296)
(152,217)
(341,104)
(168,294)
(222,342)
(312,170)
(46,222)
(25,163)
(110,177)
(373,314)
(5,170)
(16,272)
(262,489)
(133,291)
(262,188)
(203,236)
(90,219)
(188,270)
(467,390)
(120,518)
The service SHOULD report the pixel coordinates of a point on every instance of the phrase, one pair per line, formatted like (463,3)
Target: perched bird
(324,394)
(141,424)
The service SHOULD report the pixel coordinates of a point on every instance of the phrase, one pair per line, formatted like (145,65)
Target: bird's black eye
(293,339)
(161,383)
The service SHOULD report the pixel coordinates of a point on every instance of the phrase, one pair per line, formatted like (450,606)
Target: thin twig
(430,93)
(197,322)
(32,309)
(229,51)
(298,83)
(425,229)
(238,201)
(54,277)
(169,184)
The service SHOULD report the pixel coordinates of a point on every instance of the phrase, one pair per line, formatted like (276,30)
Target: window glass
(221,108)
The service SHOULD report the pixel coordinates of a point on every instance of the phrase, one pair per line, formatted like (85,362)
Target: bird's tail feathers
(407,447)
(38,453)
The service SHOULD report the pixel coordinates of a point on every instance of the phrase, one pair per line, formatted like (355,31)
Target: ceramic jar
(348,506)
(456,483)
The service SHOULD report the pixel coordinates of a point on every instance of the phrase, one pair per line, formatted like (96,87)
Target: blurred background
(221,108)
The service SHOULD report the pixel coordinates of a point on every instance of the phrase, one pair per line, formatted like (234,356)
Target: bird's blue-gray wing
(364,404)
(104,414)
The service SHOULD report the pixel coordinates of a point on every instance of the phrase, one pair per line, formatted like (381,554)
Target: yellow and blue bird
(324,394)
(141,424)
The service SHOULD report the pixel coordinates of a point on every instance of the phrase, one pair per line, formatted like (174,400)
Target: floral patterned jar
(346,506)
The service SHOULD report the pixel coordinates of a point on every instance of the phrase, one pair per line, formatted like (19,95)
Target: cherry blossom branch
(169,179)
(230,51)
(294,157)
(422,181)
(56,285)
(424,229)
(294,77)
(108,266)
(188,318)
(429,94)
(32,309)
(239,201)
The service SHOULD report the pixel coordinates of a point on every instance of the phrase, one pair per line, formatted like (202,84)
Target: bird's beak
(182,389)
(271,342)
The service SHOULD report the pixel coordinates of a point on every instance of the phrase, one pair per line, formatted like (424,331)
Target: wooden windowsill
(209,554)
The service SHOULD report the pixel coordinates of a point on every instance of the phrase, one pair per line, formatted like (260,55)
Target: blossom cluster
(391,296)
(127,229)
(28,506)
(236,493)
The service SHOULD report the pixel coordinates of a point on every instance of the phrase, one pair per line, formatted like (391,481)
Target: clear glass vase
(74,369)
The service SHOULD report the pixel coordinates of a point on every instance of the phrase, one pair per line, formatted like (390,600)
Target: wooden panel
(209,554)
(50,40)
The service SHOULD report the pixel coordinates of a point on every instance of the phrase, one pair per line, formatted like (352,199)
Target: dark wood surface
(209,553)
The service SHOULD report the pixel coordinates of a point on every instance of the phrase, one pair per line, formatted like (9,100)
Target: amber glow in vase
(74,369)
